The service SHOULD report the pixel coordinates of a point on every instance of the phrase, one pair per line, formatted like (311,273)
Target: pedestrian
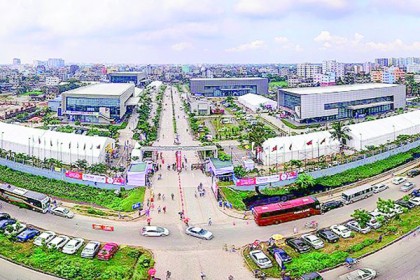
(158,209)
(148,212)
(230,277)
(139,212)
(295,230)
(164,209)
(119,215)
(168,275)
(148,221)
(186,221)
(152,206)
(203,276)
(163,197)
(172,195)
(380,238)
(210,222)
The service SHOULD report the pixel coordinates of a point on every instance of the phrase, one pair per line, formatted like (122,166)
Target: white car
(260,259)
(62,212)
(415,201)
(73,245)
(154,231)
(354,225)
(91,249)
(398,180)
(388,215)
(45,237)
(14,229)
(58,242)
(359,274)
(373,223)
(199,233)
(341,230)
(397,209)
(379,187)
(313,241)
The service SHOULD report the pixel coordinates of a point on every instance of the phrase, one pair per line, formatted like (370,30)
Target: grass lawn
(33,93)
(74,192)
(289,124)
(334,254)
(126,264)
(278,84)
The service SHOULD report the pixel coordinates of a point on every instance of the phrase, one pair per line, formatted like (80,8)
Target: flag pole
(284,157)
(277,169)
(269,160)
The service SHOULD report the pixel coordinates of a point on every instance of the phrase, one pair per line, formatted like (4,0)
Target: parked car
(4,216)
(62,212)
(27,234)
(397,209)
(416,193)
(73,245)
(413,173)
(45,237)
(91,249)
(313,241)
(14,229)
(407,186)
(359,274)
(154,231)
(327,235)
(388,215)
(415,200)
(5,223)
(341,230)
(260,259)
(405,203)
(333,204)
(311,276)
(298,245)
(354,225)
(280,253)
(58,242)
(374,223)
(398,180)
(199,233)
(108,251)
(379,188)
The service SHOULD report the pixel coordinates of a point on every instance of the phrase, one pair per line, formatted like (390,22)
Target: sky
(208,31)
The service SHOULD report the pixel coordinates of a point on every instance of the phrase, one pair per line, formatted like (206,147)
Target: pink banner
(288,175)
(267,179)
(115,181)
(178,160)
(74,175)
(245,182)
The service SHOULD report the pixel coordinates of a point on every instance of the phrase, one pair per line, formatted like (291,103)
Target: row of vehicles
(51,240)
(155,231)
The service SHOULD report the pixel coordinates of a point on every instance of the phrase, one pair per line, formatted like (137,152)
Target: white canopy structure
(255,102)
(377,132)
(65,147)
(299,147)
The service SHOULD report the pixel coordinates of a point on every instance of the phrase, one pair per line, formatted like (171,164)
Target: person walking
(164,209)
(210,222)
(172,195)
(148,220)
(203,276)
(230,277)
(159,209)
(168,275)
(163,197)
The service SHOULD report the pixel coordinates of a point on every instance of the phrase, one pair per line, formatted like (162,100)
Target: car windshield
(65,211)
(264,260)
(202,231)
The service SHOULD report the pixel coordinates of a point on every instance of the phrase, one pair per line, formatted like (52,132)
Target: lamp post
(29,146)
(393,126)
(360,141)
(231,157)
(2,133)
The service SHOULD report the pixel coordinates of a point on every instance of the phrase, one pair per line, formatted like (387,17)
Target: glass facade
(92,105)
(123,79)
(229,90)
(336,105)
(291,101)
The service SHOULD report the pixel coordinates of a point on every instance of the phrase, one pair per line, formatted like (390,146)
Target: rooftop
(126,73)
(228,79)
(101,89)
(342,88)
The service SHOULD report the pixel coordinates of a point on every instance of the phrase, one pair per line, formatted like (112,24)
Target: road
(183,255)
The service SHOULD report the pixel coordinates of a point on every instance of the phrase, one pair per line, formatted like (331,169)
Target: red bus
(286,211)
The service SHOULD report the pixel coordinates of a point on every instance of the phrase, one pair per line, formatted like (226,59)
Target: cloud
(285,43)
(329,41)
(254,45)
(182,46)
(405,7)
(281,40)
(275,8)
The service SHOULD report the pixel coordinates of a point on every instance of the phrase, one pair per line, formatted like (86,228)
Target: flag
(98,147)
(51,144)
(290,147)
(39,140)
(84,147)
(274,148)
(309,143)
(69,145)
(91,147)
(323,141)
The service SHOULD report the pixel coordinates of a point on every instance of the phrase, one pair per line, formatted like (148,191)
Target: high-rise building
(413,68)
(55,62)
(16,61)
(325,80)
(332,66)
(307,70)
(368,66)
(383,62)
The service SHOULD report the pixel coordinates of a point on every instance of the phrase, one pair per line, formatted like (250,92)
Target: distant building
(73,69)
(98,103)
(307,70)
(222,87)
(200,107)
(376,76)
(332,66)
(52,81)
(383,62)
(127,77)
(318,104)
(55,62)
(325,80)
(16,61)
(413,68)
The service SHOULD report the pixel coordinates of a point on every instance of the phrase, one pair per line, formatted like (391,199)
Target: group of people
(200,190)
(225,204)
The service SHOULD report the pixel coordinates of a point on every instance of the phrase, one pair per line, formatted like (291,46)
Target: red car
(108,251)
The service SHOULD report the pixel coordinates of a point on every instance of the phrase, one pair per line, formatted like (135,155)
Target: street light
(29,146)
(360,141)
(231,157)
(393,126)
(2,133)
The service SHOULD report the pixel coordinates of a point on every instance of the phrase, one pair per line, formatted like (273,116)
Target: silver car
(62,212)
(91,249)
(359,274)
(73,245)
(313,241)
(58,242)
(199,233)
(154,231)
(354,225)
(260,259)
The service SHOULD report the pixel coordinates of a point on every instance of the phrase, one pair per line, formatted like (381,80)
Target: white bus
(356,194)
(34,200)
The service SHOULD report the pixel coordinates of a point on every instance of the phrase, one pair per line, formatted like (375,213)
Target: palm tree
(257,135)
(304,181)
(362,217)
(340,132)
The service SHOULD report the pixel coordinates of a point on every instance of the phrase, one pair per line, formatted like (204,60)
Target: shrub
(361,245)
(315,261)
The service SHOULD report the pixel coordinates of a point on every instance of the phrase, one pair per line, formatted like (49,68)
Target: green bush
(361,245)
(315,261)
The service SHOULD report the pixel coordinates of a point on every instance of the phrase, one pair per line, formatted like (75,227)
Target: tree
(304,181)
(362,217)
(98,168)
(340,132)
(385,206)
(239,171)
(81,164)
(257,135)
(296,163)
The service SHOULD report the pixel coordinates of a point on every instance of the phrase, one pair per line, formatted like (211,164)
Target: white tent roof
(156,84)
(52,140)
(253,101)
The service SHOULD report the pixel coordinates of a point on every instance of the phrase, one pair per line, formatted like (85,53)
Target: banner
(178,160)
(245,182)
(94,178)
(267,179)
(74,175)
(288,175)
(115,181)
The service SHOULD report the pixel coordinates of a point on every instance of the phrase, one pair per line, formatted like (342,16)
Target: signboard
(115,181)
(267,179)
(245,182)
(82,113)
(136,206)
(74,175)
(94,178)
(278,260)
(288,175)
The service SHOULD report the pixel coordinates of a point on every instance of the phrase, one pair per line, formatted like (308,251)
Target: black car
(413,173)
(405,203)
(311,276)
(298,245)
(4,216)
(333,204)
(327,235)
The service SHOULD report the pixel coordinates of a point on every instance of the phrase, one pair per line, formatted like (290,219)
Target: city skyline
(190,32)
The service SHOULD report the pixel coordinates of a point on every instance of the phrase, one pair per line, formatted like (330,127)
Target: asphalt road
(186,256)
